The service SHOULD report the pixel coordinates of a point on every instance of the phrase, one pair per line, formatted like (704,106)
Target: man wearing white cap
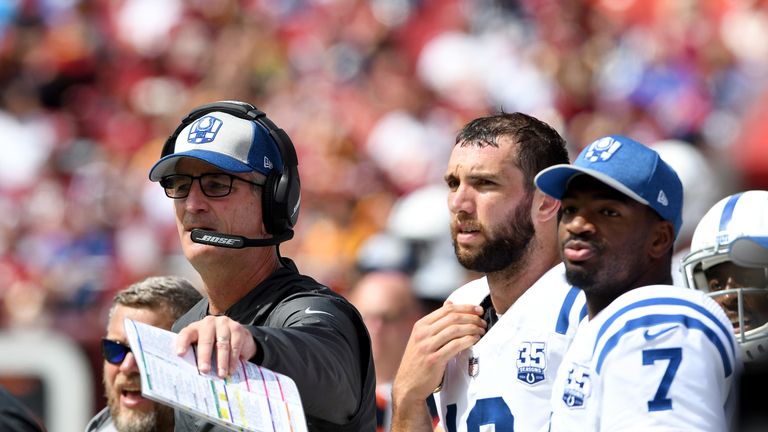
(233,178)
(649,356)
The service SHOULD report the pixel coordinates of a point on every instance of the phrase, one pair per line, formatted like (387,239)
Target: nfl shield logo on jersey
(577,386)
(473,366)
(531,362)
(204,130)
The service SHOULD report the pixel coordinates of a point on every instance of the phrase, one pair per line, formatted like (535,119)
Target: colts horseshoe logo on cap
(204,130)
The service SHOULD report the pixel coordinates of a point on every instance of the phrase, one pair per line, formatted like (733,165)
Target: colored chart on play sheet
(252,398)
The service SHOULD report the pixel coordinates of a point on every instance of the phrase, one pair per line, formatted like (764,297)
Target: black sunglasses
(114,351)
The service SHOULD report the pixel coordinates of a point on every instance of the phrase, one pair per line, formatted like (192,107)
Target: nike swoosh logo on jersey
(310,311)
(650,336)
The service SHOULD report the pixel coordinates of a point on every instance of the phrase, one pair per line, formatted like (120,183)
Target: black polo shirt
(313,335)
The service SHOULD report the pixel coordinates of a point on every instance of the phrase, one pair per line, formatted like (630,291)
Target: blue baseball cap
(228,142)
(627,166)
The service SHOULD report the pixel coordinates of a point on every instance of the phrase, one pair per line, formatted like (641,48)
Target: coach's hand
(435,339)
(232,341)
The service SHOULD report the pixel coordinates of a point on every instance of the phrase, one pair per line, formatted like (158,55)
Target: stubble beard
(580,278)
(507,250)
(126,420)
(605,281)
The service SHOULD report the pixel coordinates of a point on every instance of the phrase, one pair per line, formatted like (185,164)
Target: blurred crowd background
(372,92)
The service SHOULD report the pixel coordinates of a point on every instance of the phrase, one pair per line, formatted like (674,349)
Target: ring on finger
(222,339)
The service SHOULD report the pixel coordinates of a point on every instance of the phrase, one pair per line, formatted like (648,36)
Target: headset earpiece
(281,195)
(281,199)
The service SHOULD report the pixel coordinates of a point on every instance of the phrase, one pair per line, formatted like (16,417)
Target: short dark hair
(172,293)
(538,144)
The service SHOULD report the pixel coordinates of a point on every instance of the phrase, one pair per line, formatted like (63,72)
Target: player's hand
(231,340)
(435,339)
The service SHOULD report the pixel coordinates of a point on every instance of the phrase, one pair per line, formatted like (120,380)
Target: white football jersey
(504,382)
(657,358)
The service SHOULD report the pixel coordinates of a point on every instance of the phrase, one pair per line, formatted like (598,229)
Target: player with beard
(491,351)
(157,301)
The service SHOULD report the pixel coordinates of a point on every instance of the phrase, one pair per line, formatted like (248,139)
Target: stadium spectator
(389,309)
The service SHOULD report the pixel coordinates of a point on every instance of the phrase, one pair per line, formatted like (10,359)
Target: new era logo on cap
(662,199)
(627,166)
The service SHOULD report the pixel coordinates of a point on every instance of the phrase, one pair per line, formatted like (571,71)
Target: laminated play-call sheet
(253,398)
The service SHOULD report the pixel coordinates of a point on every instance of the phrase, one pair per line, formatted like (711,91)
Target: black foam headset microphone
(281,194)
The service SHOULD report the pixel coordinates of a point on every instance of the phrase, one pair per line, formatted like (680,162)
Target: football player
(651,356)
(729,261)
(494,347)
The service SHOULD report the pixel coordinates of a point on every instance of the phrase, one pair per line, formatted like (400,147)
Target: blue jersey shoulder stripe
(665,301)
(651,320)
(563,319)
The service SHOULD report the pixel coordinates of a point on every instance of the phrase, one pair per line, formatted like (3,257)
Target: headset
(281,195)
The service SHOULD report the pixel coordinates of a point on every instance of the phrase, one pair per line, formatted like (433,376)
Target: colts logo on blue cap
(204,130)
(602,150)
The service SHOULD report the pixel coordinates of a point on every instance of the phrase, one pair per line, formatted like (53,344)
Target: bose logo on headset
(281,195)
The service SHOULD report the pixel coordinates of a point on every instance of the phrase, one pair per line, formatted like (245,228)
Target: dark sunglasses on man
(113,351)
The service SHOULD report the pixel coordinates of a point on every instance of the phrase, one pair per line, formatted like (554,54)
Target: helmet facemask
(743,293)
